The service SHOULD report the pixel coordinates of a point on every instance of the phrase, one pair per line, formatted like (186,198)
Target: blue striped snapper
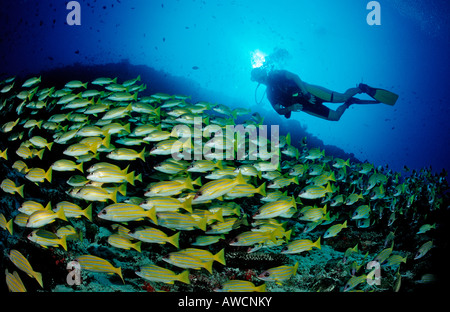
(301,245)
(93,193)
(43,217)
(123,212)
(240,286)
(119,241)
(180,221)
(99,265)
(183,260)
(169,188)
(153,235)
(156,273)
(250,238)
(9,186)
(47,239)
(72,210)
(280,208)
(30,206)
(14,282)
(166,203)
(6,225)
(205,255)
(22,263)
(217,188)
(279,274)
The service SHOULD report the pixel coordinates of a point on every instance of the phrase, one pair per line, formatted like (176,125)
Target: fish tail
(218,216)
(188,184)
(138,177)
(38,277)
(130,178)
(187,205)
(80,167)
(261,189)
(141,155)
(174,239)
(49,145)
(48,175)
(49,206)
(19,190)
(63,243)
(220,256)
(201,224)
(151,213)
(295,267)
(40,154)
(219,164)
(60,215)
(88,212)
(208,266)
(122,189)
(317,243)
(9,226)
(344,225)
(137,246)
(240,179)
(183,277)
(261,288)
(119,272)
(113,196)
(107,140)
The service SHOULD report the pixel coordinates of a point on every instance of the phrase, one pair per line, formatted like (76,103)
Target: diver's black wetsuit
(281,91)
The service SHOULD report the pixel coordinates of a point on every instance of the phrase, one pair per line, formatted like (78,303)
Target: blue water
(328,43)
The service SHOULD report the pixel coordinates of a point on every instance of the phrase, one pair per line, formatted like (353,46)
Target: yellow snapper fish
(96,264)
(169,188)
(93,193)
(153,235)
(167,203)
(66,165)
(156,273)
(217,188)
(314,191)
(72,210)
(123,212)
(6,225)
(118,241)
(205,255)
(39,175)
(126,154)
(22,263)
(14,282)
(312,214)
(43,217)
(281,208)
(362,212)
(279,274)
(240,286)
(335,229)
(47,239)
(301,245)
(185,261)
(250,238)
(9,186)
(39,141)
(180,221)
(246,190)
(29,207)
(109,175)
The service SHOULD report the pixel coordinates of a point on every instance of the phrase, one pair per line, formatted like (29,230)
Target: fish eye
(235,240)
(103,212)
(267,274)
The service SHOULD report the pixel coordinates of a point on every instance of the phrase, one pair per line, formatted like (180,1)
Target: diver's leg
(328,95)
(337,114)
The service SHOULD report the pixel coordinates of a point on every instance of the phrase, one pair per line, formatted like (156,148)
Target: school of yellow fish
(108,154)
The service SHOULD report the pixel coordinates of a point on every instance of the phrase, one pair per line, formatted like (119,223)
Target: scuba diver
(288,93)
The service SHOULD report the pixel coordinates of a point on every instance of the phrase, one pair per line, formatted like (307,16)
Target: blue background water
(329,43)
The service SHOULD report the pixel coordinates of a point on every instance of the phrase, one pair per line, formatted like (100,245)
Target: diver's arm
(297,81)
(286,110)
